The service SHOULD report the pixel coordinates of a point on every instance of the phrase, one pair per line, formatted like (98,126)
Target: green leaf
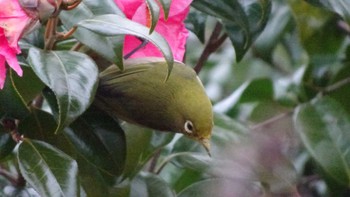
(279,22)
(141,144)
(219,187)
(108,47)
(243,21)
(196,22)
(107,25)
(323,126)
(342,7)
(48,170)
(319,33)
(90,175)
(155,11)
(11,103)
(149,185)
(251,91)
(39,125)
(166,7)
(193,161)
(28,91)
(7,144)
(72,76)
(100,140)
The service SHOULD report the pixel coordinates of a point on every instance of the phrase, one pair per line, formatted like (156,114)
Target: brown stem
(154,161)
(8,176)
(62,36)
(70,4)
(50,33)
(213,44)
(10,126)
(270,121)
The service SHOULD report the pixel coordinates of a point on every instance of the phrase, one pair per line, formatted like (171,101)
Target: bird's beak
(206,144)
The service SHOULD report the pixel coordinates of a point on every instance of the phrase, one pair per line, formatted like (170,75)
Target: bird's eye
(188,127)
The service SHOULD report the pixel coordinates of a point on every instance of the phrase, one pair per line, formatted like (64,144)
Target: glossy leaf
(91,178)
(99,140)
(323,126)
(196,22)
(72,76)
(342,7)
(110,48)
(279,22)
(28,91)
(48,170)
(39,125)
(197,162)
(7,144)
(243,21)
(155,11)
(11,103)
(219,187)
(106,25)
(149,185)
(166,7)
(142,143)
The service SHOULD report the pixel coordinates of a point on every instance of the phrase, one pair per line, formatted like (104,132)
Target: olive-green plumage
(140,94)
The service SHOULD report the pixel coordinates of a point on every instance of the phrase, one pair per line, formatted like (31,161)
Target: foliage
(278,73)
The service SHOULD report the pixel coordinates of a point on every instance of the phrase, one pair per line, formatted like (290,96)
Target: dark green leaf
(280,20)
(108,47)
(142,143)
(243,21)
(166,7)
(195,22)
(39,125)
(155,11)
(107,25)
(7,144)
(48,170)
(91,178)
(149,185)
(100,140)
(323,126)
(11,103)
(72,76)
(28,91)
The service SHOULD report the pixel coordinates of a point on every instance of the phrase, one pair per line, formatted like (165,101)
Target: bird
(144,94)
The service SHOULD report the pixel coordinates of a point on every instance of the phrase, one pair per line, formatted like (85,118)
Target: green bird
(140,94)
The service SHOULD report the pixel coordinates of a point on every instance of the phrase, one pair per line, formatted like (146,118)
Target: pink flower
(13,23)
(173,29)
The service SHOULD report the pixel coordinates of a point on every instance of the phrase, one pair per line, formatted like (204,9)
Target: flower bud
(43,9)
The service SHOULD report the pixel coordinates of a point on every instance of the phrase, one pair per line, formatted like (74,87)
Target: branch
(337,85)
(213,44)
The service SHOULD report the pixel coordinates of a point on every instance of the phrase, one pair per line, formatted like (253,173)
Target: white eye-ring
(188,127)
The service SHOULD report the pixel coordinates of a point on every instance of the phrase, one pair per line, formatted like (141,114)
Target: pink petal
(9,54)
(2,71)
(13,20)
(173,30)
(129,7)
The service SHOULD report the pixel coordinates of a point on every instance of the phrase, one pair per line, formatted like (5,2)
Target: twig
(337,85)
(154,161)
(213,44)
(270,121)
